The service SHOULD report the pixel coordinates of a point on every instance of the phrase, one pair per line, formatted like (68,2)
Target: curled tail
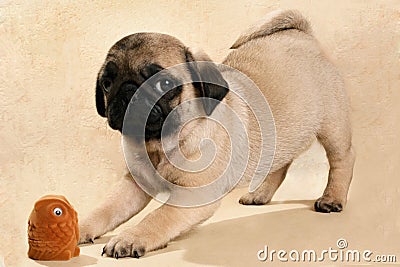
(276,21)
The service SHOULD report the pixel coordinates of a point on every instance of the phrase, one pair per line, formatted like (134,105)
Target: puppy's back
(300,84)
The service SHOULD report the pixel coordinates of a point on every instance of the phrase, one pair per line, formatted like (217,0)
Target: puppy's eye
(164,85)
(106,84)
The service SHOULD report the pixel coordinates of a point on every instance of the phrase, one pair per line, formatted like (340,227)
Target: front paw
(86,234)
(126,244)
(255,198)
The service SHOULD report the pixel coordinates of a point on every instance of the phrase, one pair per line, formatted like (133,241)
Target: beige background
(53,141)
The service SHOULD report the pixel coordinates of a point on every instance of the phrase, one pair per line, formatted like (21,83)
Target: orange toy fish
(53,231)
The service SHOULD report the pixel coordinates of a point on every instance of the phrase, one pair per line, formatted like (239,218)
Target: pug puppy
(306,96)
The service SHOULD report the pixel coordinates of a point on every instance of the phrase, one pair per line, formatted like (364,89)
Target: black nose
(155,115)
(128,89)
(146,114)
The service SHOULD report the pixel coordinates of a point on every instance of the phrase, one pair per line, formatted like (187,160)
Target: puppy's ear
(100,102)
(215,86)
(105,79)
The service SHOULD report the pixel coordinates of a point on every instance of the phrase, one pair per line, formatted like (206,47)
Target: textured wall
(52,140)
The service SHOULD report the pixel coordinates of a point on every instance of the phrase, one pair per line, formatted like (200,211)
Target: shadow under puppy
(306,96)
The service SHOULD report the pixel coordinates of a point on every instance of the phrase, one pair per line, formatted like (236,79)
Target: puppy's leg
(336,140)
(267,189)
(125,200)
(157,229)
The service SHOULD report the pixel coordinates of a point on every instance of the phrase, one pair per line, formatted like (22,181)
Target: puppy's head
(136,58)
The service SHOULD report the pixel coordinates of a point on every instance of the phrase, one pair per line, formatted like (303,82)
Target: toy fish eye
(57,211)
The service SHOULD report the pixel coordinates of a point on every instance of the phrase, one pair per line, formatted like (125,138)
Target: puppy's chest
(196,169)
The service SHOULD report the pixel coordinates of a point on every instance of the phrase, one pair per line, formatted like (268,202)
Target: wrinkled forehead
(136,51)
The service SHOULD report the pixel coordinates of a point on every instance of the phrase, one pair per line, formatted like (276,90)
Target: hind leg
(266,190)
(337,143)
